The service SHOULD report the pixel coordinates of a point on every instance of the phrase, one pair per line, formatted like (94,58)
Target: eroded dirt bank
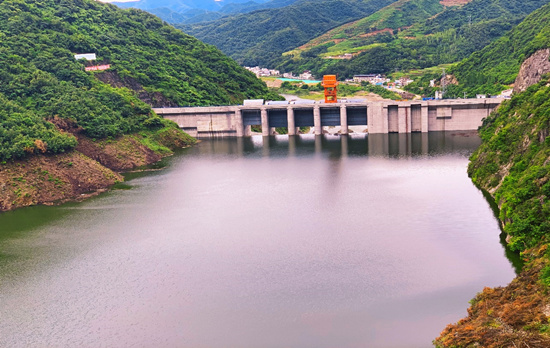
(91,168)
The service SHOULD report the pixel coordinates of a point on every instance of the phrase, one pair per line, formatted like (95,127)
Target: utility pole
(443,84)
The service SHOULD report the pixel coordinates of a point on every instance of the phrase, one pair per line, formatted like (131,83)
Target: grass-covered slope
(513,165)
(40,79)
(499,63)
(447,37)
(260,37)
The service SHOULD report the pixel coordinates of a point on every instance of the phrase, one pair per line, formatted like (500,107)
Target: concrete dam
(378,117)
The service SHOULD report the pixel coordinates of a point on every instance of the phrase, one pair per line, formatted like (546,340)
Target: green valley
(513,166)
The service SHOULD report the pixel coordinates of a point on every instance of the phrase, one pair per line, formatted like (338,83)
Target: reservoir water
(363,241)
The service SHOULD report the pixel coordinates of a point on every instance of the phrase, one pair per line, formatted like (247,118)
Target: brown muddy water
(360,241)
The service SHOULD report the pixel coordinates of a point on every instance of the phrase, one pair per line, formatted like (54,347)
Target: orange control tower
(330,84)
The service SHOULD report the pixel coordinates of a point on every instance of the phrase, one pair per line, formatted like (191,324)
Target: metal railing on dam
(378,117)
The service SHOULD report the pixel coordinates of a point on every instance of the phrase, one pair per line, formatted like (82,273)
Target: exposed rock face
(532,70)
(121,154)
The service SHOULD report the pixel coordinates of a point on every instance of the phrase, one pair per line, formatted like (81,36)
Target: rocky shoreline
(516,315)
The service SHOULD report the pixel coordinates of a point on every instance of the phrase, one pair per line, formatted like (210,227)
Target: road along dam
(379,117)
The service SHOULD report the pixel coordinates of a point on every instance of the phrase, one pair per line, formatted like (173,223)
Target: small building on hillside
(364,78)
(262,72)
(404,81)
(507,94)
(87,56)
(374,79)
(306,75)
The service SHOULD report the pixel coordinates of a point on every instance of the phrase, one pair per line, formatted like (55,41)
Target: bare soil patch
(52,179)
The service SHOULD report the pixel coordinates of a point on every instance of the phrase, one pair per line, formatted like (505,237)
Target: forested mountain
(41,80)
(498,64)
(447,37)
(260,37)
(352,37)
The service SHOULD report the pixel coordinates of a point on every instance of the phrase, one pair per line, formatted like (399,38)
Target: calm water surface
(375,241)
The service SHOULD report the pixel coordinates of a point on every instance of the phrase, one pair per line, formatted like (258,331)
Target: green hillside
(354,37)
(513,165)
(513,162)
(40,78)
(449,36)
(498,64)
(260,37)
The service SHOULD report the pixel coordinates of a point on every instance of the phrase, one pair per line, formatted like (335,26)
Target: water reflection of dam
(375,145)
